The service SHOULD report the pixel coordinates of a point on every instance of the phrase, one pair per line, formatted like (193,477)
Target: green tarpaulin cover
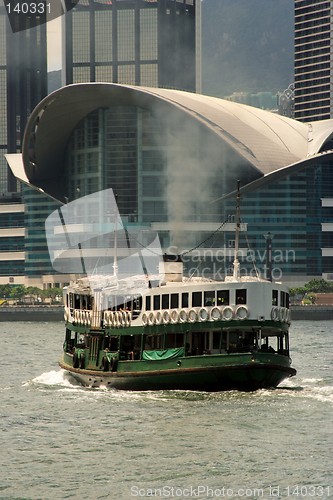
(165,354)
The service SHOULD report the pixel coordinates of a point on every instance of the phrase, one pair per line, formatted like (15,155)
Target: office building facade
(313,60)
(23,83)
(151,43)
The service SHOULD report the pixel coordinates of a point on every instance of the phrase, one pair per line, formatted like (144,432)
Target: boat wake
(55,378)
(314,388)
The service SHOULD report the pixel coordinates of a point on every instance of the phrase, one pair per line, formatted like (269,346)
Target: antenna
(115,261)
(236,261)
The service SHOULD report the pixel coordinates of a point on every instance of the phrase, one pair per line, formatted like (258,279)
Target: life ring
(280,314)
(182,316)
(124,318)
(166,317)
(158,318)
(105,364)
(227,313)
(144,319)
(118,318)
(110,318)
(151,319)
(105,317)
(242,312)
(215,314)
(284,314)
(89,318)
(114,364)
(174,316)
(203,314)
(275,313)
(192,315)
(76,360)
(82,361)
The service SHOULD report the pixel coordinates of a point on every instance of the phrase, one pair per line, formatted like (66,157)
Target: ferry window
(209,298)
(114,343)
(174,340)
(137,303)
(196,299)
(241,296)
(223,297)
(283,299)
(287,300)
(216,340)
(165,301)
(174,300)
(147,302)
(76,301)
(120,300)
(184,299)
(157,302)
(275,294)
(152,342)
(127,343)
(84,302)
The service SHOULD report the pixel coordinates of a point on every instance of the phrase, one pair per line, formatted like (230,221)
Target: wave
(55,378)
(314,388)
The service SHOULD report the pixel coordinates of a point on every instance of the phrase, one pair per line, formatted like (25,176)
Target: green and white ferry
(180,333)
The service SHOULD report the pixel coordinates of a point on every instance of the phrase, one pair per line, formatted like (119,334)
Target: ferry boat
(178,333)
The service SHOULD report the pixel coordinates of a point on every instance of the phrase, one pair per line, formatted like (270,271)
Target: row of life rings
(280,314)
(183,316)
(67,315)
(117,318)
(80,317)
(109,364)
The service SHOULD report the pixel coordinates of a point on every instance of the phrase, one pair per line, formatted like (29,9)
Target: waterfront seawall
(32,313)
(55,313)
(311,313)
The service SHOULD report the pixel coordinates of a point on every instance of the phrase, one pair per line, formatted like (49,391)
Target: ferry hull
(249,376)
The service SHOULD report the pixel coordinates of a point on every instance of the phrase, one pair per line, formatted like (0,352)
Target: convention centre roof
(266,141)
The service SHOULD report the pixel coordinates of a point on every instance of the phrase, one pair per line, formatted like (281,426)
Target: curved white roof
(270,140)
(267,141)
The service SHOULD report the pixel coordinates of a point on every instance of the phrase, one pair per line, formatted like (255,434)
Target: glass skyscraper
(23,83)
(313,59)
(150,43)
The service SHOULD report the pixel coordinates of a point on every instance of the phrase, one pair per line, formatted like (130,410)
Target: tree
(18,291)
(319,286)
(52,293)
(5,291)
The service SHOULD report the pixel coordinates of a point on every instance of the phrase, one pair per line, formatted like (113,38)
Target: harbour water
(60,440)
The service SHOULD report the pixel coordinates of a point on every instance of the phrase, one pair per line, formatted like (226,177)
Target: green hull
(245,372)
